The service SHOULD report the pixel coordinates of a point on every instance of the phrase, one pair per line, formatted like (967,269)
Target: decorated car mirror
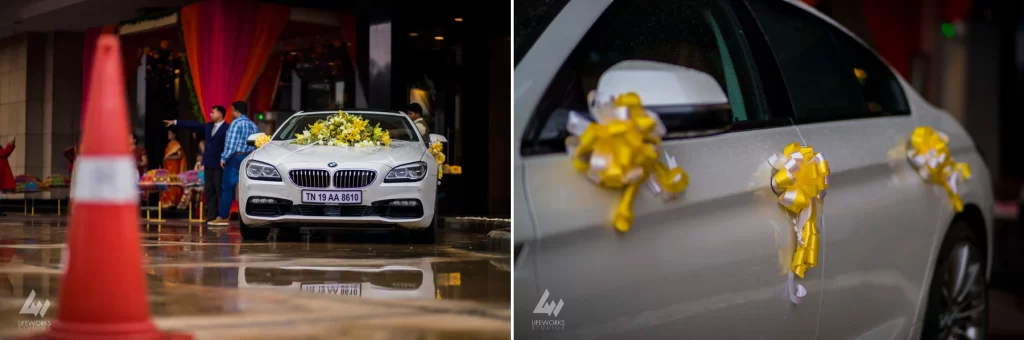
(251,140)
(437,138)
(676,100)
(257,139)
(688,102)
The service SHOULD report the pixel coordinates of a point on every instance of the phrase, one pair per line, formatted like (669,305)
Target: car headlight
(411,172)
(262,171)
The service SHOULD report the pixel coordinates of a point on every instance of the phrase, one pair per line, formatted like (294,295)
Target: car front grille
(310,178)
(353,178)
(378,209)
(327,210)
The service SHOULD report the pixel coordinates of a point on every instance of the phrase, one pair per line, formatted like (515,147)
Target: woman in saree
(175,163)
(192,190)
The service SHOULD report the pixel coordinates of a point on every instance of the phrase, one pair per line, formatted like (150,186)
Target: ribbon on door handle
(621,148)
(800,178)
(928,152)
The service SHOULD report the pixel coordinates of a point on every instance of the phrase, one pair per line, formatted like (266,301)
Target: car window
(882,92)
(696,34)
(829,74)
(397,126)
(531,17)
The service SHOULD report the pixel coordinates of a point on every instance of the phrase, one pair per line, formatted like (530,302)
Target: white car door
(711,264)
(881,220)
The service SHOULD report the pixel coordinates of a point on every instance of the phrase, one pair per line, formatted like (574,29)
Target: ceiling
(18,16)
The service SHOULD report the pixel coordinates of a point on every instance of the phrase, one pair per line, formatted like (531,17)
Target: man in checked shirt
(235,150)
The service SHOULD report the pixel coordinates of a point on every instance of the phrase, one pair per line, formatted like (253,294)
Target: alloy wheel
(962,308)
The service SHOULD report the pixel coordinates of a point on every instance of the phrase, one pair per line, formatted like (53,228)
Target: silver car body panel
(712,263)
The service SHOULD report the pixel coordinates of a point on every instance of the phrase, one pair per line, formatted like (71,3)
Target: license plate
(342,289)
(332,197)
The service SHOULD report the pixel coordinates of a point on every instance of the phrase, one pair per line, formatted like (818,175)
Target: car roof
(356,111)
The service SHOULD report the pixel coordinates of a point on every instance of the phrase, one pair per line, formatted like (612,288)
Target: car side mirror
(251,140)
(689,102)
(438,138)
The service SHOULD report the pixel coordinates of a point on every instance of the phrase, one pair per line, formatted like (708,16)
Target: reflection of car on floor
(733,83)
(385,282)
(283,184)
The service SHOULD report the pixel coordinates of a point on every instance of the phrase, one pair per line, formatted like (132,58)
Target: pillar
(379,63)
(13,72)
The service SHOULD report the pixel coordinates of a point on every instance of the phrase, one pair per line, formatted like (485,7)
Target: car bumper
(375,211)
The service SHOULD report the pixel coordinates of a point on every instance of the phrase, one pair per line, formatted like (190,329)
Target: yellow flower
(359,124)
(352,135)
(344,129)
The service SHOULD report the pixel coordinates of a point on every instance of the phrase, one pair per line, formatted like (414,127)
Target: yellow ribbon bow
(928,152)
(435,149)
(621,150)
(262,139)
(800,181)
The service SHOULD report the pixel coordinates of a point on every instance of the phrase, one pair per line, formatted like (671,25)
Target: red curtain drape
(895,28)
(262,96)
(188,19)
(956,10)
(92,35)
(227,44)
(272,19)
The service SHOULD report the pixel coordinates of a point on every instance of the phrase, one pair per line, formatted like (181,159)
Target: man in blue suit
(212,171)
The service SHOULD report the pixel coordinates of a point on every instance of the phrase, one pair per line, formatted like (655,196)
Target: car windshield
(398,126)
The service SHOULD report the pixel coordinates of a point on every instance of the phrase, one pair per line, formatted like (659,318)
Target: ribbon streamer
(435,149)
(928,152)
(621,149)
(800,179)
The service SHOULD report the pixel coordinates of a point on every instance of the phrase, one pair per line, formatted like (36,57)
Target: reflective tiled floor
(212,284)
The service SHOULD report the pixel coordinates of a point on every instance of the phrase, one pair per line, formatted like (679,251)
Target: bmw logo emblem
(332,164)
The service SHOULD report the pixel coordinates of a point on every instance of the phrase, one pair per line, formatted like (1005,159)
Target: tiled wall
(40,100)
(13,73)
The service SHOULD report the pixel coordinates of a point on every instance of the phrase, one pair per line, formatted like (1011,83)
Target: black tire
(427,235)
(252,234)
(962,253)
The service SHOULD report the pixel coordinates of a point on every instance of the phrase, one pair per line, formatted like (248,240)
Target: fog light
(259,200)
(404,203)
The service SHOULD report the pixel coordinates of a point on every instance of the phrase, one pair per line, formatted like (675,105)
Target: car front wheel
(958,296)
(426,235)
(252,234)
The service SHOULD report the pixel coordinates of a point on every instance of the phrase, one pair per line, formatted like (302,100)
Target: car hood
(283,152)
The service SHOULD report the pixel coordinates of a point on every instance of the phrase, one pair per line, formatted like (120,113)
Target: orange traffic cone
(103,294)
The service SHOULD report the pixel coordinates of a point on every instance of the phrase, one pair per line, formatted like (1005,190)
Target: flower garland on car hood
(344,129)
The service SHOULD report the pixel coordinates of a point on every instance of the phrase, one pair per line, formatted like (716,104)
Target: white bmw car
(286,185)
